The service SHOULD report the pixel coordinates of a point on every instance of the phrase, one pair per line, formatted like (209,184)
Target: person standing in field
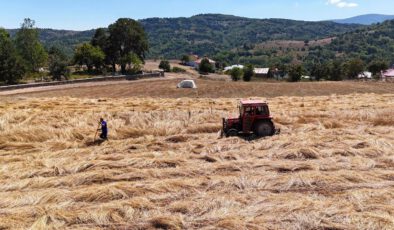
(104,129)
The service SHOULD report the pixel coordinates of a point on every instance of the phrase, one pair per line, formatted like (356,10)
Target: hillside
(367,19)
(207,34)
(67,40)
(375,42)
(369,43)
(212,33)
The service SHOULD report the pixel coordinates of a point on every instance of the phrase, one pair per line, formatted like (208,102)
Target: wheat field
(332,166)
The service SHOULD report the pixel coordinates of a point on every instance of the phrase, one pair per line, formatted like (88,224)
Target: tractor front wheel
(264,128)
(232,133)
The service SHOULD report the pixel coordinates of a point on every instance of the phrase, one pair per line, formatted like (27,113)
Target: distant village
(194,61)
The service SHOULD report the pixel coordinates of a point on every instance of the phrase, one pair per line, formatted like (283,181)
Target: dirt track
(84,85)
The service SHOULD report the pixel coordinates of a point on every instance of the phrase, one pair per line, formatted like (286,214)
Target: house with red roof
(388,75)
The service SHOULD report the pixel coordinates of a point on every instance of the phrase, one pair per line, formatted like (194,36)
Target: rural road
(89,84)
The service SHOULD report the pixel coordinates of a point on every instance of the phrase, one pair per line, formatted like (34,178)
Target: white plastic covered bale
(187,84)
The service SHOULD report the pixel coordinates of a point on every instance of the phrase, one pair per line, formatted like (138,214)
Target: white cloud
(342,3)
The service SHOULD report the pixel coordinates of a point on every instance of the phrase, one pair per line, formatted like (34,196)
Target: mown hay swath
(164,167)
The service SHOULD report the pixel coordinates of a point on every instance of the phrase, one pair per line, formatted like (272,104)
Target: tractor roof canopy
(253,103)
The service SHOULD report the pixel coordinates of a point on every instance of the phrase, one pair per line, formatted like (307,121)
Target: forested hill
(206,34)
(367,19)
(67,40)
(375,42)
(211,33)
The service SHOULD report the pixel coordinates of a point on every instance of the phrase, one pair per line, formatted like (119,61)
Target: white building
(261,72)
(365,75)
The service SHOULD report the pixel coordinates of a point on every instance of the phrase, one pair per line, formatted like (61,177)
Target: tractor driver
(259,110)
(248,111)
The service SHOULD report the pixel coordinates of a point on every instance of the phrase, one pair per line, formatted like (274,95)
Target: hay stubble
(331,167)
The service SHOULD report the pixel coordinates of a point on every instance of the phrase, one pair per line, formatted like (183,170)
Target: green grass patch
(81,76)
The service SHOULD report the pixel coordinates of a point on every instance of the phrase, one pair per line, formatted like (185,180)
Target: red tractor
(254,119)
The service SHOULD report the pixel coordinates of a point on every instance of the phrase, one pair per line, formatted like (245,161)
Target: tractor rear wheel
(232,133)
(264,128)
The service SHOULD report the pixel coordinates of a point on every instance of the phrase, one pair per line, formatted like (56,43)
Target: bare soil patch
(166,88)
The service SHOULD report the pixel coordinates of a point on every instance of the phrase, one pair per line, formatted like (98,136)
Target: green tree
(236,73)
(29,46)
(136,64)
(295,73)
(12,67)
(376,66)
(58,63)
(100,39)
(133,63)
(165,65)
(126,37)
(185,59)
(88,55)
(336,72)
(354,67)
(248,72)
(320,71)
(205,66)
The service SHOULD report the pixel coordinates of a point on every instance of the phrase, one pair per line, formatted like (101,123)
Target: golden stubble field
(332,167)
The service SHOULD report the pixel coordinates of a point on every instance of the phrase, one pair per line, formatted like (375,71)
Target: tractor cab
(254,118)
(251,111)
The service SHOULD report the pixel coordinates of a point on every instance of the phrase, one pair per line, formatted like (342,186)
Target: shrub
(248,72)
(185,59)
(295,73)
(165,65)
(236,74)
(178,70)
(206,66)
(58,64)
(376,66)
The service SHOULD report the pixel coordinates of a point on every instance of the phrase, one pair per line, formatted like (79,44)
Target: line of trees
(247,73)
(332,71)
(338,70)
(123,44)
(22,55)
(25,55)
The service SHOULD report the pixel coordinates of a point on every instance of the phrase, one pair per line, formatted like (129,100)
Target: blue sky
(88,14)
